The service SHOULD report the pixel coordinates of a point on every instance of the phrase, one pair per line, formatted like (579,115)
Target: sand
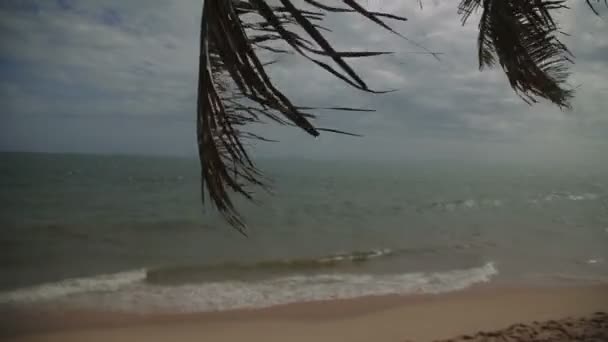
(479,314)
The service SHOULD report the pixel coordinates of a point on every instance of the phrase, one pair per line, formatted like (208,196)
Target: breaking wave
(129,291)
(72,286)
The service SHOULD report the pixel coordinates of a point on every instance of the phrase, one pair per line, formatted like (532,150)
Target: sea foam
(128,291)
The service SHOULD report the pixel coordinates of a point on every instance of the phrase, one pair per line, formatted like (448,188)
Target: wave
(195,273)
(489,203)
(583,197)
(594,261)
(218,296)
(588,196)
(67,287)
(452,205)
(127,291)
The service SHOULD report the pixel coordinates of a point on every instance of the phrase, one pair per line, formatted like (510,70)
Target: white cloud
(75,63)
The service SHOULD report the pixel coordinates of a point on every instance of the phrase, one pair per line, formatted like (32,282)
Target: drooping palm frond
(593,3)
(521,35)
(228,53)
(234,89)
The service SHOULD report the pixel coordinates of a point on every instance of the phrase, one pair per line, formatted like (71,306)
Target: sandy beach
(525,313)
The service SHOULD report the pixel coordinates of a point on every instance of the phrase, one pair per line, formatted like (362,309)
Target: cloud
(120,76)
(89,60)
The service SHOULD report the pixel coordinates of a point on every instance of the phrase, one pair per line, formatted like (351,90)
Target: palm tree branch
(521,36)
(518,35)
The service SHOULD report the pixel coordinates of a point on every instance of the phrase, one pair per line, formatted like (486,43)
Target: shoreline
(382,318)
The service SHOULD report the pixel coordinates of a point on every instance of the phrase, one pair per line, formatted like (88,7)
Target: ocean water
(130,233)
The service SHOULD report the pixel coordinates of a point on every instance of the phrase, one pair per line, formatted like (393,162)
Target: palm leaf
(521,36)
(228,55)
(234,89)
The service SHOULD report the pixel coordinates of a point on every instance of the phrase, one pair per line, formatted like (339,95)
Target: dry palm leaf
(521,36)
(228,46)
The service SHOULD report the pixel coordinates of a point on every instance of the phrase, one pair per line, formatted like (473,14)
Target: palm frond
(234,89)
(593,3)
(521,36)
(228,55)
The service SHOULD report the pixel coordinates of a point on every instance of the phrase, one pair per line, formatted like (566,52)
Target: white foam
(374,253)
(583,197)
(381,252)
(224,295)
(595,261)
(572,197)
(469,203)
(104,282)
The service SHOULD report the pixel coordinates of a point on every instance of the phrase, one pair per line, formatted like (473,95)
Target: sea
(130,233)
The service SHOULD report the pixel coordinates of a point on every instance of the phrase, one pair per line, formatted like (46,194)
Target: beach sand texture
(480,314)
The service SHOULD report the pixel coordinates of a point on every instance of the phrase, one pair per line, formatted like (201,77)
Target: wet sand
(479,314)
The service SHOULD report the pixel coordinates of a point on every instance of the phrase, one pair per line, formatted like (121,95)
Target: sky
(114,76)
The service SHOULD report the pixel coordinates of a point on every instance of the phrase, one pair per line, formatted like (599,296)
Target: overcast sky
(119,76)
